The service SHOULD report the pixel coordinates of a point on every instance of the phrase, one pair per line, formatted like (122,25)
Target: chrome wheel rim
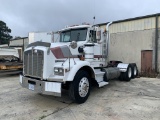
(129,72)
(83,87)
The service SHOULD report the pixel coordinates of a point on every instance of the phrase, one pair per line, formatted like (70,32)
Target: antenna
(94,20)
(94,17)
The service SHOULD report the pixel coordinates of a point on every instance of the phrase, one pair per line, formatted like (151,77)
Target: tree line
(5,31)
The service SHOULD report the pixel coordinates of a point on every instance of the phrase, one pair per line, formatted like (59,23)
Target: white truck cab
(79,58)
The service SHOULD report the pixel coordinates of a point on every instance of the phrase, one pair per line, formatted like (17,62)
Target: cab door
(97,47)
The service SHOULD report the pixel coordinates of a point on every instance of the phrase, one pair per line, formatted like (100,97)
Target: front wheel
(80,87)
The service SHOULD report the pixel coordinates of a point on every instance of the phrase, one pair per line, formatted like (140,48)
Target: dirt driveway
(138,99)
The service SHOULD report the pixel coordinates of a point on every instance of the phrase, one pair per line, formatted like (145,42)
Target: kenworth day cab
(78,59)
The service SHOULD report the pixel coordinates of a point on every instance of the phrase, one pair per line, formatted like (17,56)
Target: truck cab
(78,59)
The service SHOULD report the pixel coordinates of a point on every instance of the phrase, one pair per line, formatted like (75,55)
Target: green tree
(5,36)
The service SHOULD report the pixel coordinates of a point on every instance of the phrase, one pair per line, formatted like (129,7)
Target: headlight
(58,71)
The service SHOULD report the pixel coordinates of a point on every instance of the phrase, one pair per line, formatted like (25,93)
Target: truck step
(99,75)
(101,84)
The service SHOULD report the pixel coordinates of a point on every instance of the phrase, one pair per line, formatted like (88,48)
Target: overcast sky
(24,16)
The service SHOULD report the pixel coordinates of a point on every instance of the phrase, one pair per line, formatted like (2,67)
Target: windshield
(73,35)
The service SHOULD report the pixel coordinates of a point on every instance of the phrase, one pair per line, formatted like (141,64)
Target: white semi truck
(78,59)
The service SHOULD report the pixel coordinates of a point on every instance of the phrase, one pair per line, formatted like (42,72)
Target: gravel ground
(138,99)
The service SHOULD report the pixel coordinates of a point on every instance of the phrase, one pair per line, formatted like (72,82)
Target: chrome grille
(33,63)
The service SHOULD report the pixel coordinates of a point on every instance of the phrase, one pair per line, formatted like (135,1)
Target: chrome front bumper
(39,86)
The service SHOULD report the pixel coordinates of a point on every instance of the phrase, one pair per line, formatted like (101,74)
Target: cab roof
(75,27)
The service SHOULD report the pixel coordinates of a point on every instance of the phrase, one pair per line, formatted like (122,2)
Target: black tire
(128,74)
(134,70)
(76,85)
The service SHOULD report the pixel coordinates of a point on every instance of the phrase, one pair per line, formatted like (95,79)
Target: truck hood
(60,50)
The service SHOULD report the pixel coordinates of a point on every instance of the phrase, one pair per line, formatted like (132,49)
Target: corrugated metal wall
(159,21)
(127,46)
(129,38)
(134,25)
(142,24)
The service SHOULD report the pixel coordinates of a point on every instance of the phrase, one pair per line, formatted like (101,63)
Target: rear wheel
(80,87)
(134,70)
(128,74)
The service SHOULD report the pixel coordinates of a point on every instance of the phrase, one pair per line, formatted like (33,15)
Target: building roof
(19,38)
(130,19)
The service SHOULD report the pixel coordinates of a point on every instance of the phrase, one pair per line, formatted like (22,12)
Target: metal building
(20,44)
(136,40)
